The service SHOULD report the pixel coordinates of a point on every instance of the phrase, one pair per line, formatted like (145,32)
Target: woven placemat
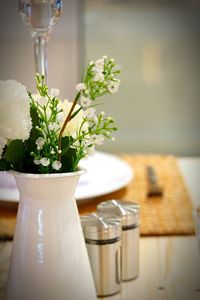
(7,220)
(170,214)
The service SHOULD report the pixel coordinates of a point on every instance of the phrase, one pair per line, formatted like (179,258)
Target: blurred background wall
(156,43)
(64,48)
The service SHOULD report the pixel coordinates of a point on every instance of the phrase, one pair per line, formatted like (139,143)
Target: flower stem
(68,118)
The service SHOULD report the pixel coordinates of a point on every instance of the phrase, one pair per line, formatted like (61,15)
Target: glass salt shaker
(129,214)
(103,241)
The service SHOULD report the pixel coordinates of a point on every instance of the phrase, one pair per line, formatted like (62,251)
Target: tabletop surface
(169,266)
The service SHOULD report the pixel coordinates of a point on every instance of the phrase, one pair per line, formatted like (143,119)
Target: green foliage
(30,143)
(13,156)
(68,158)
(48,149)
(4,165)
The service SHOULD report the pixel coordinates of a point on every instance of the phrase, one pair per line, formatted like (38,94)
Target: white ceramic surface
(49,257)
(106,173)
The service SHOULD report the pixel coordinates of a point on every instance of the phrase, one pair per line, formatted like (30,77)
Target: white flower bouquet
(42,134)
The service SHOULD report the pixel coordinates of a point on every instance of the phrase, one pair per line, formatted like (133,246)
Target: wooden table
(169,266)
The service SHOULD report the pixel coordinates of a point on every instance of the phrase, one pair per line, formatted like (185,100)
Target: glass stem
(40,55)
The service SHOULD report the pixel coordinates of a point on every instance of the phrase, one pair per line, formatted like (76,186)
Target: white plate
(106,173)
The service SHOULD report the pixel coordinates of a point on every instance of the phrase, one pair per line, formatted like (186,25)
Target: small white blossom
(40,142)
(44,161)
(97,69)
(56,165)
(80,87)
(48,113)
(85,102)
(36,161)
(52,152)
(100,139)
(95,119)
(110,119)
(3,142)
(113,87)
(41,100)
(90,151)
(87,143)
(53,126)
(99,64)
(91,62)
(76,144)
(105,57)
(59,151)
(97,139)
(90,113)
(54,92)
(99,77)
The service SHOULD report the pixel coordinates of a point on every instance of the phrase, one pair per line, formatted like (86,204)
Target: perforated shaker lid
(128,211)
(95,227)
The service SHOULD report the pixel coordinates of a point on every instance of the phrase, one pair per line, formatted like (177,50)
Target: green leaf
(75,113)
(68,157)
(4,165)
(14,155)
(30,143)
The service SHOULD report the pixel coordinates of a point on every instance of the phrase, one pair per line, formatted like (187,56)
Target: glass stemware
(40,17)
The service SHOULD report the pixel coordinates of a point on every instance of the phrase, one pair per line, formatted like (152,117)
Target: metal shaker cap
(128,211)
(95,227)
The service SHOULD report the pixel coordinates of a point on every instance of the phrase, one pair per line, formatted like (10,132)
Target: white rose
(74,125)
(15,120)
